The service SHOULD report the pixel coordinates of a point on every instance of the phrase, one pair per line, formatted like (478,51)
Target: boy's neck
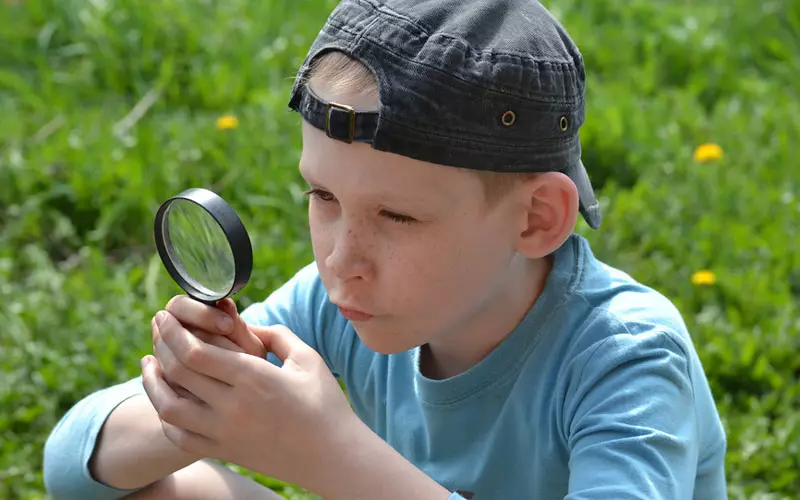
(447,357)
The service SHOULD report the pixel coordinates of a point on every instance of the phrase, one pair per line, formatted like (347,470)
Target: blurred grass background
(107,108)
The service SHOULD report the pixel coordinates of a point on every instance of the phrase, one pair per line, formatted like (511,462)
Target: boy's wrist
(133,451)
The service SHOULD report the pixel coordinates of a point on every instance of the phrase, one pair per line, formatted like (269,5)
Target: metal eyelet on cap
(508,118)
(563,123)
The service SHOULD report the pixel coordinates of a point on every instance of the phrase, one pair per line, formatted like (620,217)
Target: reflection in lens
(199,249)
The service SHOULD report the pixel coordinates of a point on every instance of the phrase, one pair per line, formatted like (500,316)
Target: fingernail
(145,362)
(225,324)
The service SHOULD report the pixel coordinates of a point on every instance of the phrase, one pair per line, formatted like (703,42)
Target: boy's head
(441,146)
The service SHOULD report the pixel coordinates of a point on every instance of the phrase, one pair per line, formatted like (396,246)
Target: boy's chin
(383,341)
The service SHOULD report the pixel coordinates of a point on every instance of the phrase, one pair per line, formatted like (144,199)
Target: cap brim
(589,206)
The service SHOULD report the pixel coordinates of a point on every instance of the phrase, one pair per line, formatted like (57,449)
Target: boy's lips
(354,314)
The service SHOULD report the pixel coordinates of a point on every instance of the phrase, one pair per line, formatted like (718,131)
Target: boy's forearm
(369,468)
(132,451)
(205,480)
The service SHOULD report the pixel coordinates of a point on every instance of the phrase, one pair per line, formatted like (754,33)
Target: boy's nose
(348,258)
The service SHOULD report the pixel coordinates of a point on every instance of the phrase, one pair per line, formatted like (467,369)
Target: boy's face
(412,244)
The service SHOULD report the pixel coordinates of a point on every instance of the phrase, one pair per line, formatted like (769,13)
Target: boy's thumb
(281,341)
(241,334)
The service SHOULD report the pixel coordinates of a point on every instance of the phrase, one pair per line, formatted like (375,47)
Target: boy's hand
(291,422)
(220,326)
(209,323)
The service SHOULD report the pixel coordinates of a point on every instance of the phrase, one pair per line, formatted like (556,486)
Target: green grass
(83,169)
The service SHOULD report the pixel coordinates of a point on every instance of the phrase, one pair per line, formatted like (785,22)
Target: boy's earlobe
(551,203)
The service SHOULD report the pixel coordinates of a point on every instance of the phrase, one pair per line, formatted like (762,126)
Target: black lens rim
(232,227)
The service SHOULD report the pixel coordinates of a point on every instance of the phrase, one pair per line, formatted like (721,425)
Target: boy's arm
(368,468)
(205,480)
(74,440)
(631,420)
(108,445)
(112,442)
(132,450)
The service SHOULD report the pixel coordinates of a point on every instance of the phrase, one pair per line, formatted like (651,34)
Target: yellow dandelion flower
(707,152)
(227,122)
(704,277)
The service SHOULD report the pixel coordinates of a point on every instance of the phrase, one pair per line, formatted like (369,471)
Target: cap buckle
(351,125)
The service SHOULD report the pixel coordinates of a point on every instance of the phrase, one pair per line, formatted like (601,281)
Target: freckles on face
(346,245)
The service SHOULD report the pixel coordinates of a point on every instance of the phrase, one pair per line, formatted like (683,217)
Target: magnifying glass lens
(204,245)
(199,249)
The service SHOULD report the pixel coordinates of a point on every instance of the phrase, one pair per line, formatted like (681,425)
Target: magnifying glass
(204,245)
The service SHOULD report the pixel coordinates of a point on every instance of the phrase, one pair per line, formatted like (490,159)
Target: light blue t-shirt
(597,394)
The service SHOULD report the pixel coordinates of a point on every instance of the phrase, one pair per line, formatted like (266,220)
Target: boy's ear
(550,205)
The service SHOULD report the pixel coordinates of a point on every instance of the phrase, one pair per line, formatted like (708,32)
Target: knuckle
(279,329)
(170,411)
(194,356)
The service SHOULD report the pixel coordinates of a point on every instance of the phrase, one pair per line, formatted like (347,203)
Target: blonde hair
(338,74)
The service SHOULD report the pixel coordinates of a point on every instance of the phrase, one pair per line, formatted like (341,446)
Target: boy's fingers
(174,371)
(244,338)
(171,408)
(215,362)
(209,338)
(217,340)
(223,319)
(241,334)
(193,313)
(280,340)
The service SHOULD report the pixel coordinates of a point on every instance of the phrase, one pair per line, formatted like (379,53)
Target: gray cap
(480,84)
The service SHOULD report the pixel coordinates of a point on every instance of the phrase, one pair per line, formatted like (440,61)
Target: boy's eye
(320,194)
(400,219)
(327,196)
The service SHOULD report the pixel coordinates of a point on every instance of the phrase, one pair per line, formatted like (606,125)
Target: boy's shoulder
(608,319)
(604,309)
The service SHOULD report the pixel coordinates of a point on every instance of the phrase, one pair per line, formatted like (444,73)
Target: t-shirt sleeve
(631,424)
(71,442)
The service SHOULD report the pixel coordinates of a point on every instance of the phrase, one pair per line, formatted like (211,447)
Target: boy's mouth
(354,314)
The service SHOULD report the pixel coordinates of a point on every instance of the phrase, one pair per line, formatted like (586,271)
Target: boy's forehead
(355,166)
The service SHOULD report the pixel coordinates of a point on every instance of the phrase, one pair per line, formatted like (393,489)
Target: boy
(486,352)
